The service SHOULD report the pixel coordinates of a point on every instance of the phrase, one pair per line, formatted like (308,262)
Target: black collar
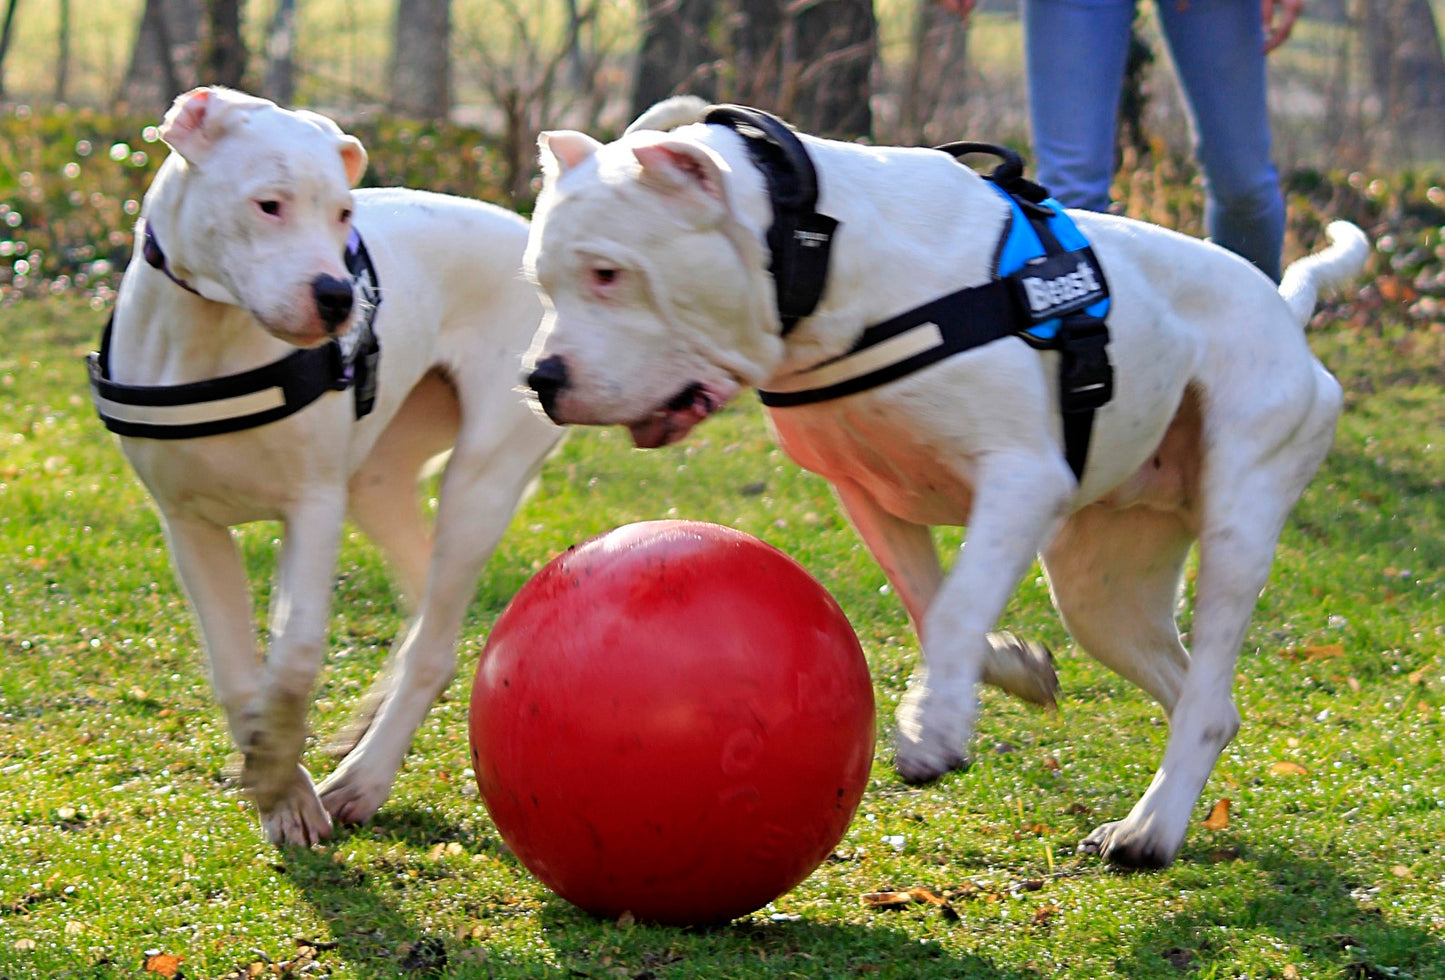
(800,238)
(251,398)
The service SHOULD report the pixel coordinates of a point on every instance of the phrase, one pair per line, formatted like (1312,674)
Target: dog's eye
(272,208)
(605,277)
(345,215)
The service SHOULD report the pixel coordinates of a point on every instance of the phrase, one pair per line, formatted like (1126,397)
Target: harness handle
(1009,174)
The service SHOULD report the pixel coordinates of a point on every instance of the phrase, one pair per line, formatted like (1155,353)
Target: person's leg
(1218,51)
(1074,51)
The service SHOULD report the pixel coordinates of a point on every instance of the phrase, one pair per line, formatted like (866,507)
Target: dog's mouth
(675,418)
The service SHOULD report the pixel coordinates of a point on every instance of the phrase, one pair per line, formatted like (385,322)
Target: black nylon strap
(799,238)
(303,377)
(967,319)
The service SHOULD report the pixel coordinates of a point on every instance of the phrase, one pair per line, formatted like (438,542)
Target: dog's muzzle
(547,379)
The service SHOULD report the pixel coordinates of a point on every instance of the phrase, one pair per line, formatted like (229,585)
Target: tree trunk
(62,53)
(223,51)
(5,34)
(809,61)
(677,56)
(1407,74)
(279,84)
(935,73)
(421,63)
(163,64)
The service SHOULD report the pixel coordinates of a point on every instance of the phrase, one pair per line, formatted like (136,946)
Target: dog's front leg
(906,553)
(1018,500)
(499,451)
(273,723)
(214,577)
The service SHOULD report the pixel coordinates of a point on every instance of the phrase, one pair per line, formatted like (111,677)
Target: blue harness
(1047,289)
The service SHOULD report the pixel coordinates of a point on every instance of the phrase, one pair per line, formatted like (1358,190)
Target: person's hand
(1279,18)
(964,7)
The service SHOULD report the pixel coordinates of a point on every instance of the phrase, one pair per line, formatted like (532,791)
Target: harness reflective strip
(910,343)
(196,413)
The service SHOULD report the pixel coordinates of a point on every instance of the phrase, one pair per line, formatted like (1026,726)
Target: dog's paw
(1024,668)
(1126,848)
(273,740)
(932,733)
(352,794)
(297,819)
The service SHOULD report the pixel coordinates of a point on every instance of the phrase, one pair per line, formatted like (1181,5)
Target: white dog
(654,257)
(239,263)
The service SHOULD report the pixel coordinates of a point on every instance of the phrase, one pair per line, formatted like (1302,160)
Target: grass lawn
(123,845)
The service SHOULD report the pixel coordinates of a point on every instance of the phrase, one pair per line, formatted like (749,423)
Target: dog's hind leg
(384,503)
(1247,491)
(499,450)
(906,553)
(1115,577)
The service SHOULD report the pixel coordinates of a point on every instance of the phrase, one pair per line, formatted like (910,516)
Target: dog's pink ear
(184,125)
(353,156)
(680,165)
(563,149)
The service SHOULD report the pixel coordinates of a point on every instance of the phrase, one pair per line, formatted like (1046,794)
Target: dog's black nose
(547,378)
(333,300)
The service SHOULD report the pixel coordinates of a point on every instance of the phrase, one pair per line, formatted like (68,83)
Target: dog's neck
(914,225)
(164,335)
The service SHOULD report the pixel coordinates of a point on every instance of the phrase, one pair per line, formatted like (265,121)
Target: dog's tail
(1307,277)
(670,114)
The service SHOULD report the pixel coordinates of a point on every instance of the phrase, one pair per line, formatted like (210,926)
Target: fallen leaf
(1291,972)
(1044,913)
(887,900)
(162,964)
(1288,769)
(1326,651)
(626,920)
(1400,871)
(920,894)
(1218,817)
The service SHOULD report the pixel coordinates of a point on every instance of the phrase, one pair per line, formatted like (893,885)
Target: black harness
(251,398)
(1047,289)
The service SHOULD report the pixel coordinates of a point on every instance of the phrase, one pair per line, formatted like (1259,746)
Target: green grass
(121,834)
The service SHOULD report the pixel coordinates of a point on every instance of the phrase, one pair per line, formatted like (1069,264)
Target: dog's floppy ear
(353,156)
(674,164)
(196,119)
(563,149)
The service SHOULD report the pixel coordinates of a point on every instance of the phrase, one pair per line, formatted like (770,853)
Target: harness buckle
(1086,378)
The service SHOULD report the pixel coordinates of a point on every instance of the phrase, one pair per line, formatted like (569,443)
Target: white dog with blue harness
(1145,391)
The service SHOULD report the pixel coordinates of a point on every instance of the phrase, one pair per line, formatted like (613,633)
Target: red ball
(673,719)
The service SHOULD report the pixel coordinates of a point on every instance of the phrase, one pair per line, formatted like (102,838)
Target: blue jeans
(1075,52)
